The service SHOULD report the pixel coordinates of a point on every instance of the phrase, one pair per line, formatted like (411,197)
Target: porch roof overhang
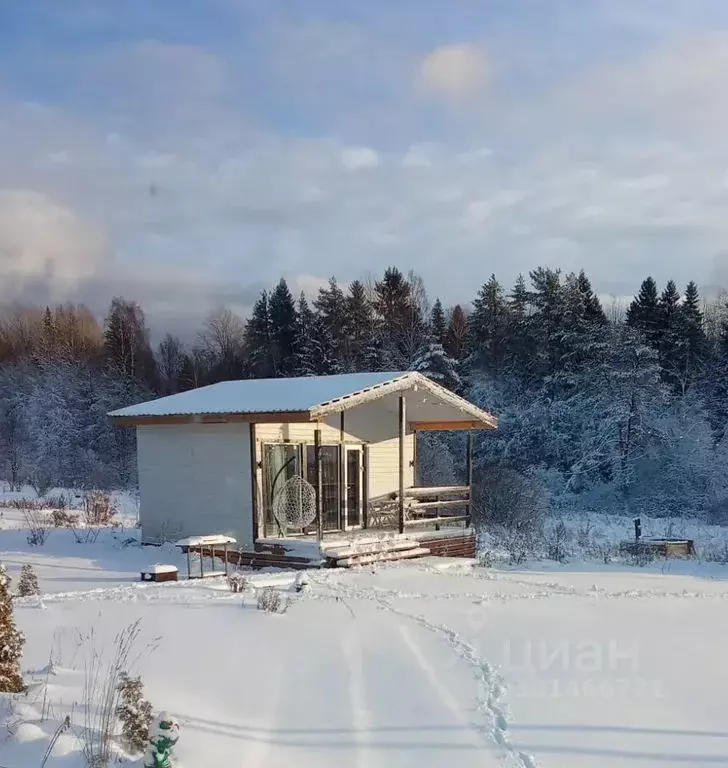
(362,397)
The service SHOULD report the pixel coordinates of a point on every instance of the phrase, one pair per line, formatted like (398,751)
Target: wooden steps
(382,557)
(366,553)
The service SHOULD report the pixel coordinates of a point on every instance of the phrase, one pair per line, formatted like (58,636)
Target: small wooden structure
(159,572)
(659,547)
(205,546)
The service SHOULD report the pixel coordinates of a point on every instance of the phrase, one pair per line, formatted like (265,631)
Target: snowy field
(425,664)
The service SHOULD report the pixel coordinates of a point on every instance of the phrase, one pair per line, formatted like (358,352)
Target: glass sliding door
(353,481)
(330,487)
(280,463)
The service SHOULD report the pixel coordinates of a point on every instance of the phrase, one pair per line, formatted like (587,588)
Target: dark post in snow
(637,529)
(469,470)
(402,433)
(319,483)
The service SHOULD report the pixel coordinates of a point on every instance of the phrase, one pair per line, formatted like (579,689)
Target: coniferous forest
(601,408)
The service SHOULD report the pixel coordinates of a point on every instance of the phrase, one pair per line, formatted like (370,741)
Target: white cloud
(455,71)
(359,158)
(674,86)
(42,242)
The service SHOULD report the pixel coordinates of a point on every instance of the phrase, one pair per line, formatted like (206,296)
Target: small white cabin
(278,463)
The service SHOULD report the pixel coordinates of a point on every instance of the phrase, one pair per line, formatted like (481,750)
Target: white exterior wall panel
(194,479)
(384,466)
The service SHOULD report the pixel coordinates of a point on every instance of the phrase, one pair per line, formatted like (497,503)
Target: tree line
(600,409)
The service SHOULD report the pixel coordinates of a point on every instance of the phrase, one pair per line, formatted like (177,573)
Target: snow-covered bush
(134,713)
(237,582)
(37,523)
(269,600)
(511,507)
(11,641)
(28,582)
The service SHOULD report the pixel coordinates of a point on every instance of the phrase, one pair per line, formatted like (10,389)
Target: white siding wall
(194,479)
(384,465)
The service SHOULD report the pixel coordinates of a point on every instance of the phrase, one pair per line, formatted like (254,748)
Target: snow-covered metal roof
(311,398)
(260,395)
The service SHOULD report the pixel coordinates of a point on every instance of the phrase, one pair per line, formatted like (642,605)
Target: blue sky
(188,154)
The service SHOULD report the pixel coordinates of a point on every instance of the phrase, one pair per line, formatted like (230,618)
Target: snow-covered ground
(425,664)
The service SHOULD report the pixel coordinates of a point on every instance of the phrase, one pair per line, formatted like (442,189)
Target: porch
(347,486)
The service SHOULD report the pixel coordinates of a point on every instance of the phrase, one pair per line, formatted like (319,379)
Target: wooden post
(469,471)
(225,551)
(415,468)
(319,483)
(189,564)
(343,521)
(202,575)
(254,483)
(402,433)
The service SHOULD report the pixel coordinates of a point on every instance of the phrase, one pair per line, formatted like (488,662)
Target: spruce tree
(593,311)
(401,328)
(545,324)
(692,331)
(305,344)
(282,318)
(718,401)
(361,349)
(438,324)
(11,641)
(135,714)
(28,582)
(519,342)
(330,305)
(488,327)
(669,336)
(258,344)
(437,365)
(49,345)
(643,313)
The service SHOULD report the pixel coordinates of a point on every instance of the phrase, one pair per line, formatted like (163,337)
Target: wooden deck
(353,548)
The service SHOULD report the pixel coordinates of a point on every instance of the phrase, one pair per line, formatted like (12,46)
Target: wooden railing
(423,505)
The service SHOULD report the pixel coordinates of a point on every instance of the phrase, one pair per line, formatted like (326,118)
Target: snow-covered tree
(11,641)
(134,713)
(28,582)
(437,365)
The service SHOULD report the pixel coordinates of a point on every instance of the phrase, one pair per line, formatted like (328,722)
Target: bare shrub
(270,601)
(40,482)
(101,693)
(134,713)
(557,541)
(85,534)
(237,582)
(28,582)
(37,523)
(62,518)
(512,507)
(99,508)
